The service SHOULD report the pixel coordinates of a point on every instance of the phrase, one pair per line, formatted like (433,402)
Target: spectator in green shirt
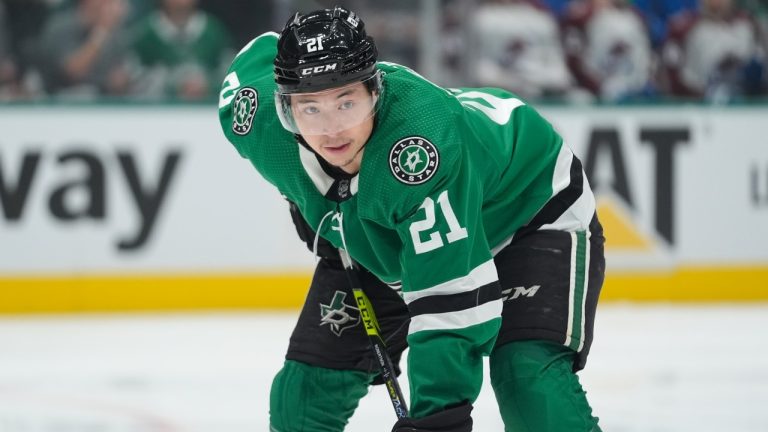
(182,51)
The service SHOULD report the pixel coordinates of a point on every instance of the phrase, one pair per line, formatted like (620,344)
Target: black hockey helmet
(321,53)
(323,49)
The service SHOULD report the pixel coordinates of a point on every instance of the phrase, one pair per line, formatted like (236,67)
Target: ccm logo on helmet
(319,69)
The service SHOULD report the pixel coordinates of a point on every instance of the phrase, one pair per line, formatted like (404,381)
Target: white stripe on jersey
(578,215)
(456,319)
(322,181)
(481,275)
(502,108)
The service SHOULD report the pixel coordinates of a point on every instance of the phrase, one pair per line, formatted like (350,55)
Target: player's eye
(347,105)
(310,110)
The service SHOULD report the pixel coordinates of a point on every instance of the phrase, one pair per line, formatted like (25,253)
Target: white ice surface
(652,369)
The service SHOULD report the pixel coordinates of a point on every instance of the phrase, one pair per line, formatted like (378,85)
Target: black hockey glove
(455,419)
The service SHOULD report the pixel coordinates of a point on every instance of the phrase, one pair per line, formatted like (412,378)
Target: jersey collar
(332,185)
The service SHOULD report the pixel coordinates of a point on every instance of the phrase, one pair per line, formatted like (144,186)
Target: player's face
(336,123)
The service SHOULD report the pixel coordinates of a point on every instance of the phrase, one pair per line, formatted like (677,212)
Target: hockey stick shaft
(378,346)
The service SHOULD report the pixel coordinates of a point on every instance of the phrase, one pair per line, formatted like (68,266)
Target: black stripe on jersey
(560,203)
(455,302)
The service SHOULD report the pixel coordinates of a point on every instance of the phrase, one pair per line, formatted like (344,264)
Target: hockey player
(466,199)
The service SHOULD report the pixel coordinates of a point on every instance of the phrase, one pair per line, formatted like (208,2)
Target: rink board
(136,207)
(242,292)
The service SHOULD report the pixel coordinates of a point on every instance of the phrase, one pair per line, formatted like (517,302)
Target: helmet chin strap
(300,139)
(358,152)
(373,129)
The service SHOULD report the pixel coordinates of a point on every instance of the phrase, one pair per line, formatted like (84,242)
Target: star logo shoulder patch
(413,160)
(243,109)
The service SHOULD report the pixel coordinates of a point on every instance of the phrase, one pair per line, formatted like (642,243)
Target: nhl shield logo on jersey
(244,108)
(413,160)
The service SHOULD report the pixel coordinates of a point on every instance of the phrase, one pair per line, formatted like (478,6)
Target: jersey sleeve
(246,107)
(451,287)
(247,113)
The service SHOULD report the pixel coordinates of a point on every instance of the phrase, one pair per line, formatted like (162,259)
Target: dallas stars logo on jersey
(244,108)
(338,315)
(413,160)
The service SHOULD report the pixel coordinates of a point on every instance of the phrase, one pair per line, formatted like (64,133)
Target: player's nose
(332,127)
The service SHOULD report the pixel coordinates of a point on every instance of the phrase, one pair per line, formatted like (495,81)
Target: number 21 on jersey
(455,231)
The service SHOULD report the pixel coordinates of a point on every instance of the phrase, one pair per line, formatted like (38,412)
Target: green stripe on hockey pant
(307,398)
(551,281)
(578,283)
(537,390)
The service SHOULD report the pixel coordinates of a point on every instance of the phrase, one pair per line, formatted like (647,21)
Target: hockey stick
(377,342)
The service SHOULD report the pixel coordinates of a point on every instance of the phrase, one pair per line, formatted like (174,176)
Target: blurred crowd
(619,50)
(610,51)
(95,49)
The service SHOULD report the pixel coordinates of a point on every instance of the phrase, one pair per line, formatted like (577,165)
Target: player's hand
(457,419)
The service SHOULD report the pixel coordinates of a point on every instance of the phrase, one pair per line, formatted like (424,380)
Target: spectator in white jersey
(715,54)
(516,44)
(608,49)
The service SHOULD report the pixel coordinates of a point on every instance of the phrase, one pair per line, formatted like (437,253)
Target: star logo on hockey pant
(413,160)
(243,110)
(339,316)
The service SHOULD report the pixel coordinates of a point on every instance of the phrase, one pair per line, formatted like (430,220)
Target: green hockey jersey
(447,178)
